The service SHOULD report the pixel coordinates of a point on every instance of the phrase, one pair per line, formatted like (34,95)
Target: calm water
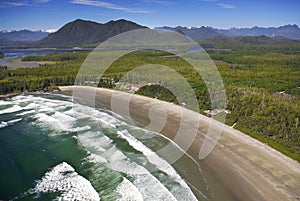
(13,53)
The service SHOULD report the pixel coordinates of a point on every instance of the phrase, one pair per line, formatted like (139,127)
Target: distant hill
(194,33)
(23,35)
(81,32)
(10,43)
(203,33)
(247,41)
(287,31)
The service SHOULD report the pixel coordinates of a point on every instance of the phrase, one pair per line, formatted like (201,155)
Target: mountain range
(24,35)
(287,31)
(203,33)
(195,33)
(88,33)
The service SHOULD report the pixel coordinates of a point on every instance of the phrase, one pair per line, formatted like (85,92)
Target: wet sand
(250,169)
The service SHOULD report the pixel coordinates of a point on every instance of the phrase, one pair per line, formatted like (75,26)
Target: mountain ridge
(196,33)
(23,35)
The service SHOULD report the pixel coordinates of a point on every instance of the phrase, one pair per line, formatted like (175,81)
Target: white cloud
(156,1)
(41,1)
(20,3)
(223,5)
(109,6)
(49,30)
(23,3)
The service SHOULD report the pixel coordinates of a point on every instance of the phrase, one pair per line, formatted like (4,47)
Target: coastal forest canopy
(261,81)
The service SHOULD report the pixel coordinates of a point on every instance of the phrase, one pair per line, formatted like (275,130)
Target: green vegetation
(253,43)
(58,57)
(262,85)
(1,55)
(45,77)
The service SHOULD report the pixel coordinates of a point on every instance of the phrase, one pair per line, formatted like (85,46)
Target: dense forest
(262,85)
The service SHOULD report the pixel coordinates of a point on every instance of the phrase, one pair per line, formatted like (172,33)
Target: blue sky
(52,14)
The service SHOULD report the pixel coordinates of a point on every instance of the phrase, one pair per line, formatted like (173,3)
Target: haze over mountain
(203,33)
(24,35)
(287,31)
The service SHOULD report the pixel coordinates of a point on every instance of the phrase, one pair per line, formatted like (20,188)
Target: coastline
(249,168)
(5,96)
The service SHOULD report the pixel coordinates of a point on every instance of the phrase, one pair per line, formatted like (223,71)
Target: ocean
(54,149)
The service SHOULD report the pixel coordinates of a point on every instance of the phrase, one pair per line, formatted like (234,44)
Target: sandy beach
(249,168)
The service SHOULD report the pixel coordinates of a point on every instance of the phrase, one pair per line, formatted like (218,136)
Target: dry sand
(249,168)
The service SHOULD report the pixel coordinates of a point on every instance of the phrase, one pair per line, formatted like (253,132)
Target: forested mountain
(81,32)
(10,43)
(196,34)
(287,31)
(23,35)
(203,33)
(248,40)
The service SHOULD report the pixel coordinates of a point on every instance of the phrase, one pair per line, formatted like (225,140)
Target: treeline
(253,43)
(276,72)
(66,56)
(262,88)
(271,118)
(45,77)
(159,92)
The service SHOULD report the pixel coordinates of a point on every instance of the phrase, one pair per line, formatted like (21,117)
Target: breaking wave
(117,165)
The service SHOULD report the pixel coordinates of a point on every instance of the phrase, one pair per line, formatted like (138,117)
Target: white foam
(75,114)
(90,141)
(96,114)
(63,117)
(21,98)
(26,112)
(149,186)
(41,117)
(128,191)
(61,122)
(46,109)
(3,124)
(101,150)
(79,129)
(13,121)
(12,109)
(63,178)
(96,158)
(146,184)
(4,103)
(161,164)
(31,106)
(105,124)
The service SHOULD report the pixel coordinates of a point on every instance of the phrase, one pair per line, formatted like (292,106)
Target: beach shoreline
(249,168)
